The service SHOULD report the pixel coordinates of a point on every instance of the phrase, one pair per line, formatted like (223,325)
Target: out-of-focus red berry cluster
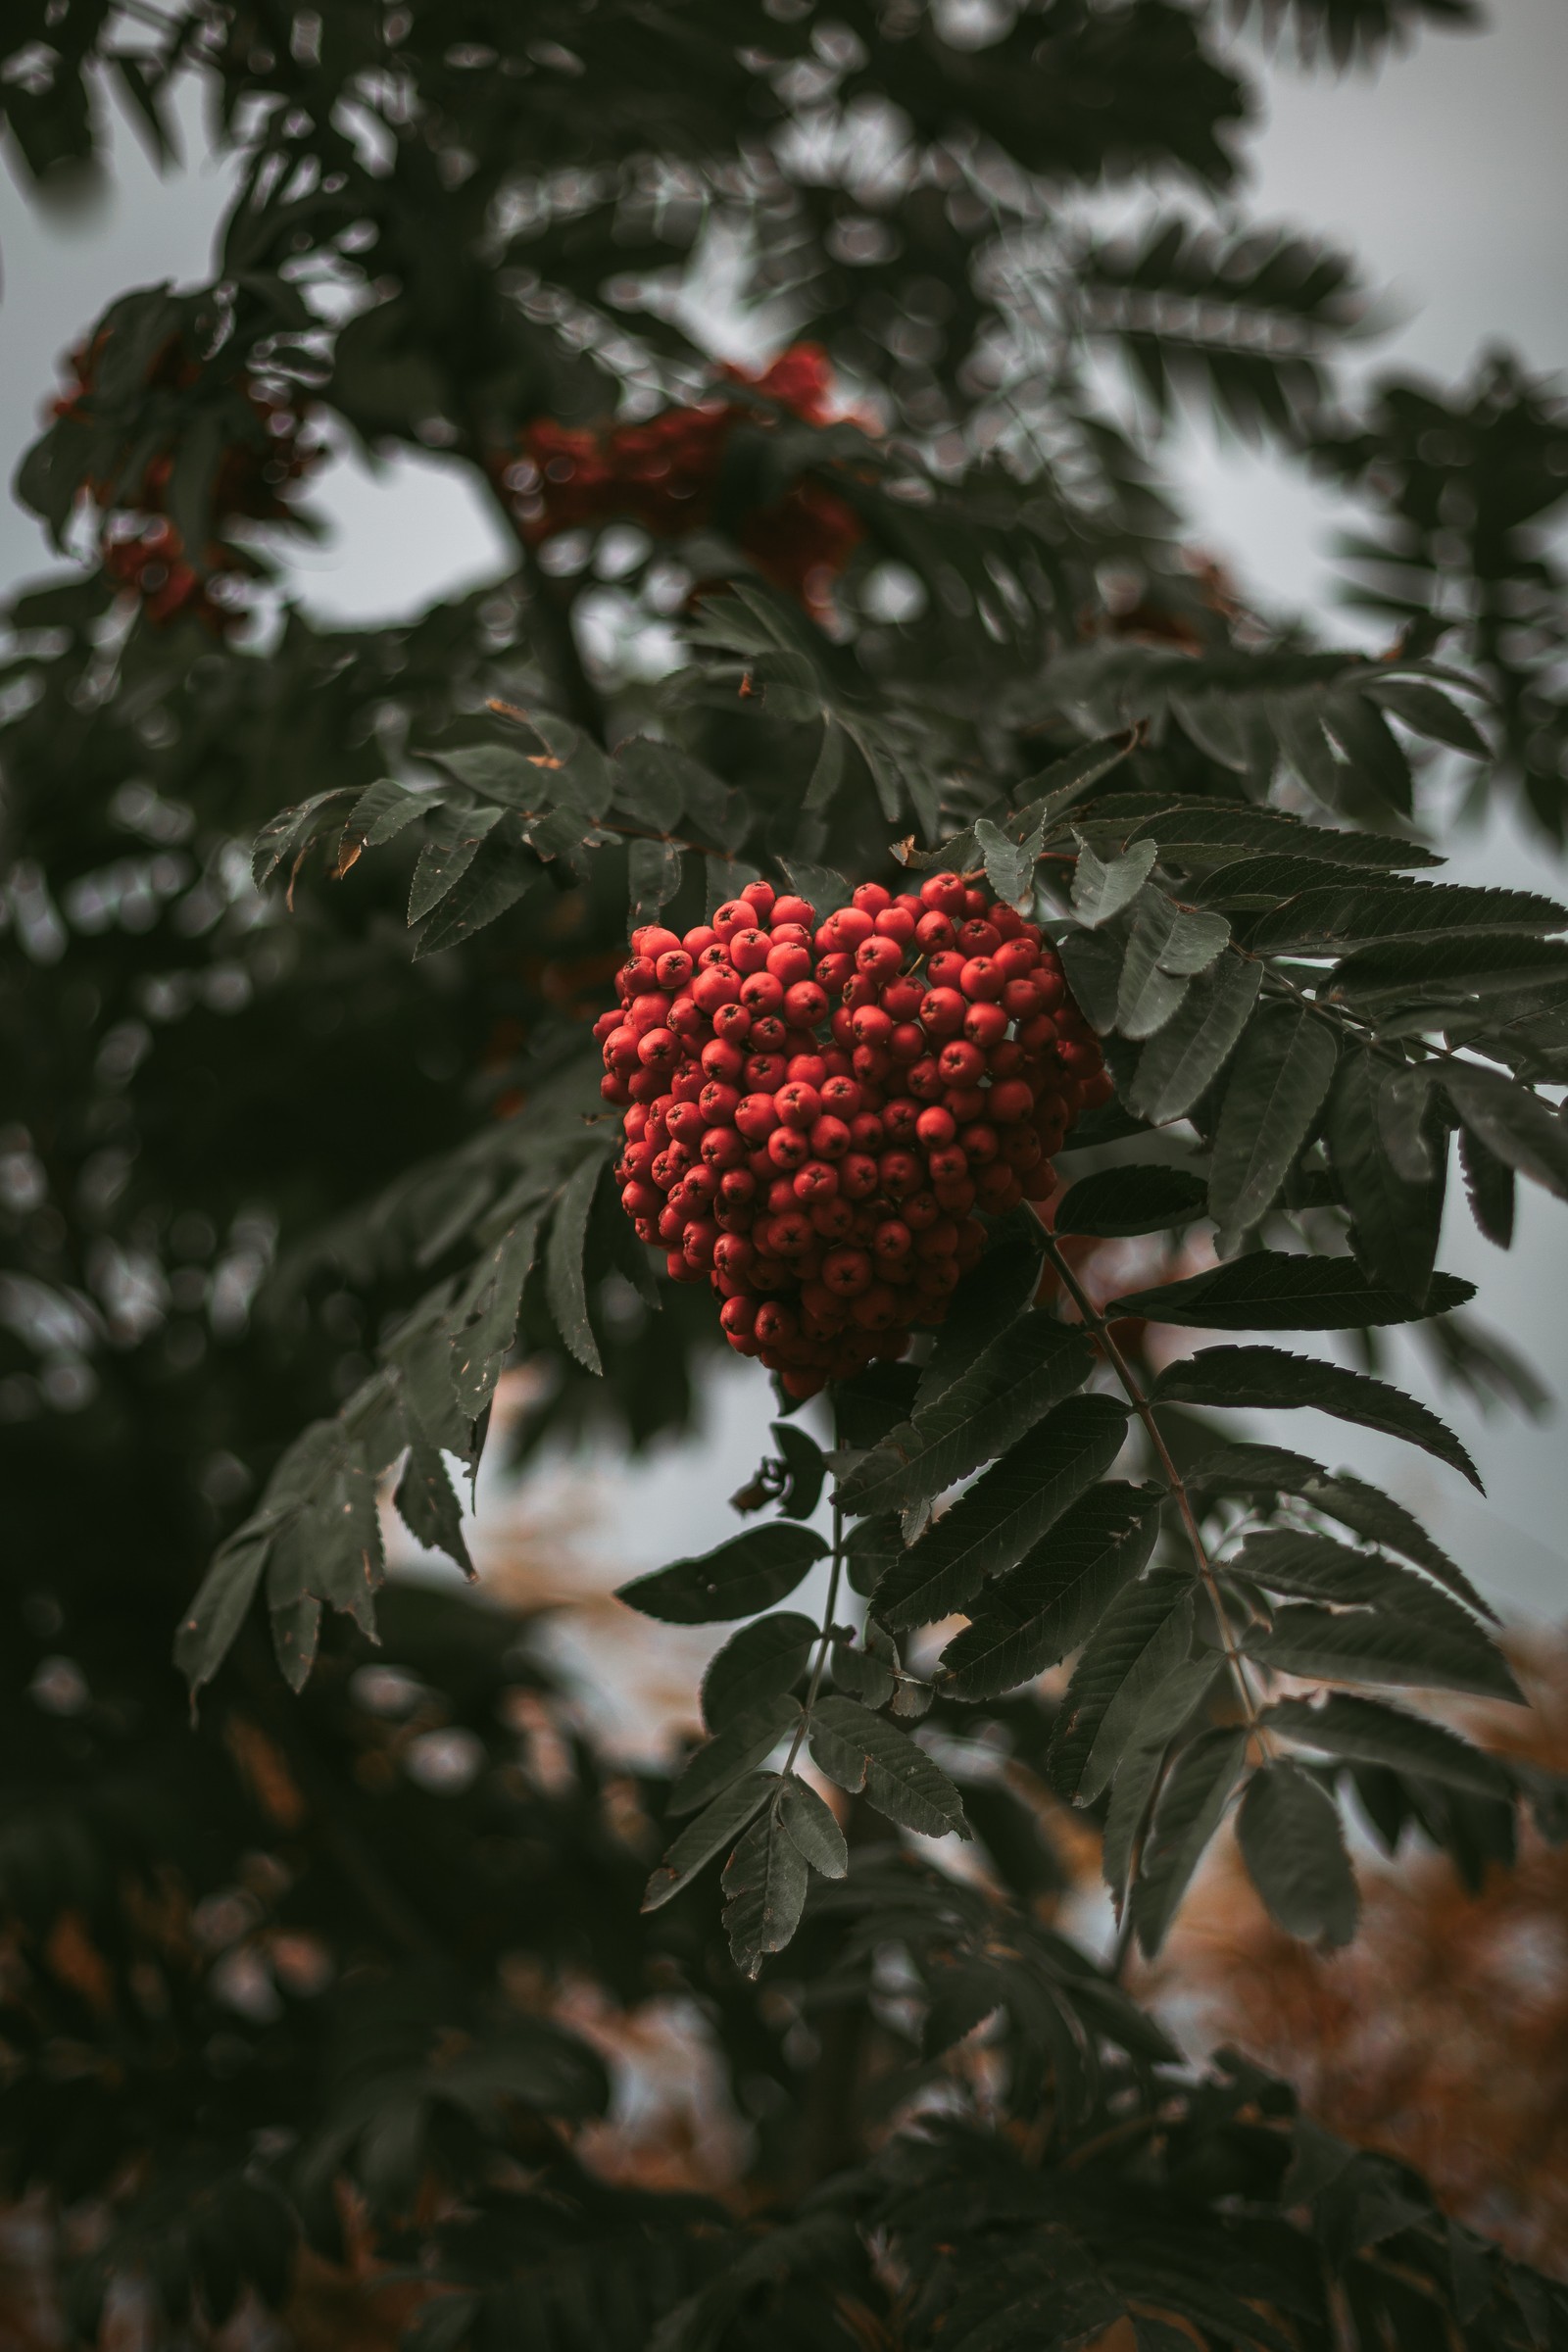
(664,475)
(815,1112)
(140,547)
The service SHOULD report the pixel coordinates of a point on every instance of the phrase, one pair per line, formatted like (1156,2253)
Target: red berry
(762,994)
(934,1126)
(804,1004)
(985,1024)
(871,899)
(846,1272)
(793,911)
(943,893)
(1012,1099)
(942,1010)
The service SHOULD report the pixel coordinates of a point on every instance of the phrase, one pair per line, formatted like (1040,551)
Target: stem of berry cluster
(1096,1322)
(824,1638)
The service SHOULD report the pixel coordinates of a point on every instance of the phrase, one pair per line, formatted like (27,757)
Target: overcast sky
(1449,175)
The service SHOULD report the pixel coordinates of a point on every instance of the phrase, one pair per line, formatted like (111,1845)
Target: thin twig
(1095,1321)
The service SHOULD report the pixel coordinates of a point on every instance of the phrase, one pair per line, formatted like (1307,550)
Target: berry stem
(824,1638)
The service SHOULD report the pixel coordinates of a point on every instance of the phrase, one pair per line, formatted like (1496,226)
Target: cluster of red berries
(664,475)
(815,1112)
(140,548)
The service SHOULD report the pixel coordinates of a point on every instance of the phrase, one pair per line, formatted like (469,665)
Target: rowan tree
(859,863)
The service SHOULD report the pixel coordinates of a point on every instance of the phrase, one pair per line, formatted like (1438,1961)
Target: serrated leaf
(1276,1087)
(999,1290)
(1094,973)
(1512,1121)
(805,1464)
(486,1317)
(1147,993)
(1447,970)
(1330,919)
(1028,1368)
(1489,1189)
(1288,1827)
(1192,1806)
(756,1664)
(737,1579)
(1179,1065)
(653,878)
(1144,1633)
(1269,1379)
(709,1835)
(1369,1731)
(823,887)
(1429,713)
(1293,1562)
(996,1520)
(1274,1470)
(743,1744)
(452,842)
(430,1507)
(1101,887)
(1378,1645)
(223,1600)
(1396,1220)
(1142,1199)
(812,1828)
(1270,1291)
(860,1751)
(565,1276)
(1009,865)
(1051,1603)
(764,1886)
(863,1674)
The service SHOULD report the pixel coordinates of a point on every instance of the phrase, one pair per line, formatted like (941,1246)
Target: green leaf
(1140,1198)
(1030,1620)
(821,886)
(1192,1806)
(222,1601)
(744,1743)
(1269,1380)
(1288,1827)
(430,1507)
(1094,974)
(755,1664)
(1146,1632)
(1009,865)
(700,1839)
(1148,992)
(1512,1121)
(994,1523)
(1274,1470)
(653,878)
(810,1824)
(1292,1560)
(1101,887)
(1489,1188)
(1030,1367)
(1429,713)
(1362,1645)
(1448,970)
(1396,1220)
(503,872)
(999,1290)
(765,1892)
(1329,920)
(566,1281)
(1277,1084)
(1182,1062)
(451,846)
(807,1466)
(737,1579)
(860,1751)
(486,1317)
(1369,1731)
(1270,1291)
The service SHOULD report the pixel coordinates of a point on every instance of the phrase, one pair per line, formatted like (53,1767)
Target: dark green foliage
(304,1152)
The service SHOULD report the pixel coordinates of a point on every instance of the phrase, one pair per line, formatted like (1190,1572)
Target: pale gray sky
(1449,175)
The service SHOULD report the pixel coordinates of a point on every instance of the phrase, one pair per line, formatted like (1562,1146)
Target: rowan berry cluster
(817,1115)
(664,475)
(140,548)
